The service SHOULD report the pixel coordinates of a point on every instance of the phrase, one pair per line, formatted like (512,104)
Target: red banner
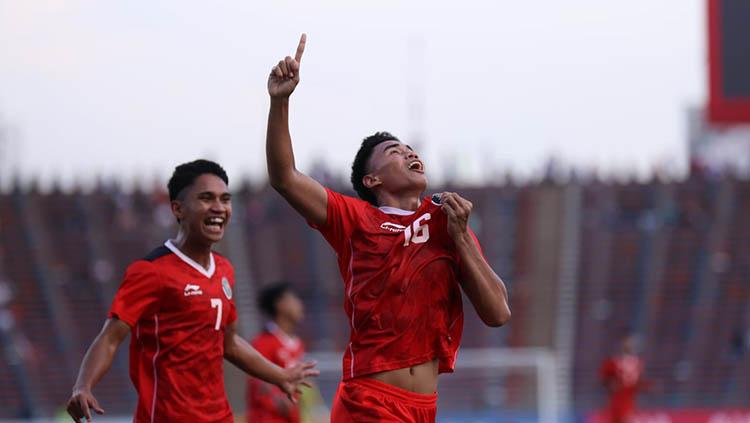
(681,416)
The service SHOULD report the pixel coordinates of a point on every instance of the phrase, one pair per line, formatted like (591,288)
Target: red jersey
(400,271)
(177,311)
(623,374)
(266,402)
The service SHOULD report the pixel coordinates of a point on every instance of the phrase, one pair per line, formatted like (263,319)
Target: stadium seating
(666,259)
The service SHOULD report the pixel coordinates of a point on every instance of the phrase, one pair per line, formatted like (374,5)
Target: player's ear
(177,210)
(371,181)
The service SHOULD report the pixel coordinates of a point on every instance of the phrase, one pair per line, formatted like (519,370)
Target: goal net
(488,385)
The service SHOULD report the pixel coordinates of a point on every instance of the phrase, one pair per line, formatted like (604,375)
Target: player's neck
(404,202)
(285,326)
(199,252)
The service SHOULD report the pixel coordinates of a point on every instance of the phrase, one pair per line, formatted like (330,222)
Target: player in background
(177,305)
(279,344)
(404,259)
(622,377)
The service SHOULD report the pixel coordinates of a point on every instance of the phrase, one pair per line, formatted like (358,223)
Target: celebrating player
(402,258)
(622,376)
(177,304)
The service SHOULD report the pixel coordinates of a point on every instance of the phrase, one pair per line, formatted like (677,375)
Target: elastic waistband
(413,398)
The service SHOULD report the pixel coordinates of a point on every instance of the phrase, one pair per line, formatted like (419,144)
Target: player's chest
(382,233)
(629,368)
(288,356)
(192,298)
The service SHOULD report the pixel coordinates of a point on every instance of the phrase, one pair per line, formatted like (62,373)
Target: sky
(129,90)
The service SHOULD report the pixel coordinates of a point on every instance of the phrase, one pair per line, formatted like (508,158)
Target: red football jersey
(624,374)
(400,270)
(266,402)
(177,311)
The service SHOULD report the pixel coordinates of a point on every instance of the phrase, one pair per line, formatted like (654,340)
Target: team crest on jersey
(226,287)
(393,227)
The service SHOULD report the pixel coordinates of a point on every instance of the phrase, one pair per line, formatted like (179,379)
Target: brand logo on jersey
(393,227)
(226,287)
(191,290)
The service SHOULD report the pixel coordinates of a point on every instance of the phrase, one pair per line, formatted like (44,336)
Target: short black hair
(359,167)
(185,174)
(270,295)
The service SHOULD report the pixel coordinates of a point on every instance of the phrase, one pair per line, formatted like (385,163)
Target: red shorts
(364,400)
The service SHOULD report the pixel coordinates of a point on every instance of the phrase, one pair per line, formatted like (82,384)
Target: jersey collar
(397,211)
(205,272)
(286,340)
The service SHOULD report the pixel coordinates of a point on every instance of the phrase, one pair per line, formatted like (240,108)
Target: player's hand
(458,210)
(297,375)
(80,405)
(284,76)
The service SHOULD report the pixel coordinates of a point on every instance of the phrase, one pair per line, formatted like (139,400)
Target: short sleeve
(343,213)
(232,316)
(261,344)
(608,370)
(138,295)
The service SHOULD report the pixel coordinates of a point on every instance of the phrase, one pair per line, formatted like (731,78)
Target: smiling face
(395,168)
(203,209)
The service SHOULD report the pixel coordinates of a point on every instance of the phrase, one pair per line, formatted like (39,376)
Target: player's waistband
(399,394)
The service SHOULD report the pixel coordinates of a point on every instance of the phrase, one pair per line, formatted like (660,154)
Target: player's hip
(368,400)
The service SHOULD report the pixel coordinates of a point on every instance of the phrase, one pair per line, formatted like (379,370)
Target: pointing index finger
(300,48)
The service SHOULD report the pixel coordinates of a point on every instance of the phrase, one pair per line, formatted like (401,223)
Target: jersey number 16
(420,234)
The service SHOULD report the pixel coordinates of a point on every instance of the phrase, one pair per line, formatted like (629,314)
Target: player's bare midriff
(421,378)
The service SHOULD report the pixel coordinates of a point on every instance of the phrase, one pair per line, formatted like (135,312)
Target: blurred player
(177,304)
(402,258)
(265,402)
(622,376)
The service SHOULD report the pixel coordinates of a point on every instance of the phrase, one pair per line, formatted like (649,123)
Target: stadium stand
(663,258)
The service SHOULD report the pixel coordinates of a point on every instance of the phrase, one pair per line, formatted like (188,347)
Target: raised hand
(298,375)
(80,405)
(284,76)
(458,210)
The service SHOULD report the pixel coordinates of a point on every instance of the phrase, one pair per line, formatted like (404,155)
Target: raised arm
(96,362)
(238,352)
(304,193)
(485,289)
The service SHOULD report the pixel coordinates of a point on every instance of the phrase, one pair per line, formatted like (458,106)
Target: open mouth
(215,224)
(416,166)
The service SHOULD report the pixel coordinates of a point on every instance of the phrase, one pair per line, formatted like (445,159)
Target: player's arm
(96,363)
(482,285)
(304,193)
(238,352)
(608,376)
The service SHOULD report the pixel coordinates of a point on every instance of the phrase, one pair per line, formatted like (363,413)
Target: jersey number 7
(216,303)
